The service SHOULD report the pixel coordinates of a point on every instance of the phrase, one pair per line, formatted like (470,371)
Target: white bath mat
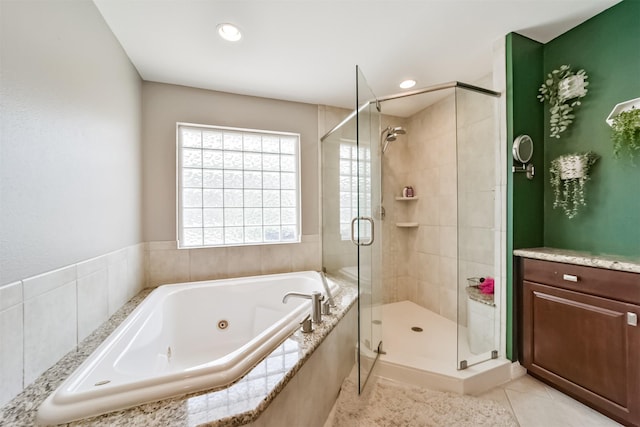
(385,404)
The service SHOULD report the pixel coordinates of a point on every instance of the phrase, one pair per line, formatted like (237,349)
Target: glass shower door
(351,227)
(366,229)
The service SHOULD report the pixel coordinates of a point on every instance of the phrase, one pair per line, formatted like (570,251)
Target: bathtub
(181,339)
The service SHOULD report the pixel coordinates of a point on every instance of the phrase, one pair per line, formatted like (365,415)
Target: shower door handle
(353,236)
(373,233)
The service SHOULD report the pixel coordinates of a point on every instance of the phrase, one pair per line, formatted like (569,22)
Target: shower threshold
(420,348)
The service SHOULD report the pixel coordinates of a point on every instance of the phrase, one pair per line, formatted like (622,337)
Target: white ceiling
(307,50)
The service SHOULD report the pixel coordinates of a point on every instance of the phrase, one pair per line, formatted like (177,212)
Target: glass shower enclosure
(450,250)
(447,256)
(351,237)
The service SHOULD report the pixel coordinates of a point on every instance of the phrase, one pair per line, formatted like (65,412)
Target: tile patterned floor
(534,404)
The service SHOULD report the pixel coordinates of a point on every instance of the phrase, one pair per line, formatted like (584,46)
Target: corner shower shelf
(406,198)
(406,224)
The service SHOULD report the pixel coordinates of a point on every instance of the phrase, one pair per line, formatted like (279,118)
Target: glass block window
(350,176)
(237,186)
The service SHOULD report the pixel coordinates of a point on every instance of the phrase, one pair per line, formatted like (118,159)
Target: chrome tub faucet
(315,297)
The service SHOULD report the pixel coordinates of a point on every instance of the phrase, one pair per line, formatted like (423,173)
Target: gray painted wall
(70,153)
(164,105)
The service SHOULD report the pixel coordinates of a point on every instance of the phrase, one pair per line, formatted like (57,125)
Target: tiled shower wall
(395,175)
(44,317)
(433,246)
(424,256)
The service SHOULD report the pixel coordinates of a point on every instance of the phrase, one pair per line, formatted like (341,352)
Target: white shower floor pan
(429,358)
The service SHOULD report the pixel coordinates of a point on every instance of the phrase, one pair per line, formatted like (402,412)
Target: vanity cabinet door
(584,345)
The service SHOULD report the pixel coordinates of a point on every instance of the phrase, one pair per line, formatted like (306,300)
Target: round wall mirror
(523,148)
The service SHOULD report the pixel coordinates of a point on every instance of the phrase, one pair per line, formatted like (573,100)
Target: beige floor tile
(588,416)
(528,384)
(535,404)
(533,410)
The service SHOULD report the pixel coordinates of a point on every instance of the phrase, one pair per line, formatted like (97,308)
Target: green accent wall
(607,47)
(525,213)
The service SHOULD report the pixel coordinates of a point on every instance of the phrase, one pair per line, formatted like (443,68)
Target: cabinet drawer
(618,285)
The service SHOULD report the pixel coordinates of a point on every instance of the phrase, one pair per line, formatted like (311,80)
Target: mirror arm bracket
(529,169)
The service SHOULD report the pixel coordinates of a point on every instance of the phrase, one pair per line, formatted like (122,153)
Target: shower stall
(427,264)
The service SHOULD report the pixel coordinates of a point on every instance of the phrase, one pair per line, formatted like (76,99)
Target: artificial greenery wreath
(563,89)
(626,132)
(569,174)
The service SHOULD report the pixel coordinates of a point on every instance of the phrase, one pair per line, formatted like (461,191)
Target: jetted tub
(184,338)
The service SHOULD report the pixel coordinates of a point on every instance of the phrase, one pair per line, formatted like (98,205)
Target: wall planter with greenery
(626,133)
(569,174)
(563,89)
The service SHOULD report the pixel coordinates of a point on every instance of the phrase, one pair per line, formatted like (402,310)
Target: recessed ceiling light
(407,84)
(229,32)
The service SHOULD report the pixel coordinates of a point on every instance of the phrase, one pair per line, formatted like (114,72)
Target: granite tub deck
(238,404)
(609,262)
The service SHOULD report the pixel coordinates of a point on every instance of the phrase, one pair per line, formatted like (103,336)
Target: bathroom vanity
(579,327)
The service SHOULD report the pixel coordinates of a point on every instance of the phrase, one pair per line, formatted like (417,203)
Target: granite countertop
(610,262)
(234,405)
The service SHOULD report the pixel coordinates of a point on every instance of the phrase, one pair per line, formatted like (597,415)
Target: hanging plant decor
(563,89)
(626,132)
(569,174)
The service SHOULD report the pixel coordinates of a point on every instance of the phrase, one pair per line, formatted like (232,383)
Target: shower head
(390,134)
(387,139)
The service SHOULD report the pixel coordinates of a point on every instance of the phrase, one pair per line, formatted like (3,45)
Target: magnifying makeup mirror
(523,149)
(522,152)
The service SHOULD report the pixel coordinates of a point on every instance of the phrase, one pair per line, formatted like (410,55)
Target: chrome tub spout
(315,297)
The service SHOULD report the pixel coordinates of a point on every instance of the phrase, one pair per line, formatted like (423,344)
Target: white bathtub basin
(183,338)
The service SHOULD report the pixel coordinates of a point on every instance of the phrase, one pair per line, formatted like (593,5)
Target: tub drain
(222,324)
(416,329)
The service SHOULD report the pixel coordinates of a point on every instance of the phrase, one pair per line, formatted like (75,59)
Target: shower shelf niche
(406,224)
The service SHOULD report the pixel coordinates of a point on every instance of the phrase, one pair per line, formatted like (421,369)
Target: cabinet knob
(570,277)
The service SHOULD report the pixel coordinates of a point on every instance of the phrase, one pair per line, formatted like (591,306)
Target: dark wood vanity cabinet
(581,334)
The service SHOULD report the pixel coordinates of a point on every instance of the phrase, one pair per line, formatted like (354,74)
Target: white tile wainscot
(44,317)
(11,341)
